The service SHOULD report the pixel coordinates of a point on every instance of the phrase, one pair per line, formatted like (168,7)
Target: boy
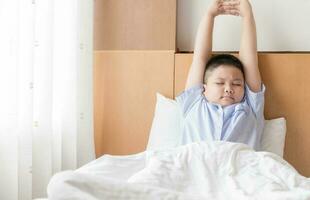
(224,97)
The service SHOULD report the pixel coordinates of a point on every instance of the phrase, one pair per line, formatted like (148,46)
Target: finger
(227,1)
(230,12)
(230,3)
(229,7)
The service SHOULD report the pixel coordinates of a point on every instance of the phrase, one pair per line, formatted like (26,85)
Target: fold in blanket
(203,170)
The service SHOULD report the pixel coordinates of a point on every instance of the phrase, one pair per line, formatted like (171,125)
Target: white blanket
(204,170)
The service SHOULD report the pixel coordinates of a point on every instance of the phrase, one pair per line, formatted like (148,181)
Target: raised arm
(248,47)
(203,42)
(202,51)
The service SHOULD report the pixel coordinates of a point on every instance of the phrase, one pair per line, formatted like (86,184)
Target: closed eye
(219,83)
(237,84)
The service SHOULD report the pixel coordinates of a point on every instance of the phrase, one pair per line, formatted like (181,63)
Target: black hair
(223,59)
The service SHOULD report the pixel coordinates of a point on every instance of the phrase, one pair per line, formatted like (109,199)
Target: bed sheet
(203,170)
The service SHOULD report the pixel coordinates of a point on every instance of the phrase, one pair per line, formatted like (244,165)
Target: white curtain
(46,109)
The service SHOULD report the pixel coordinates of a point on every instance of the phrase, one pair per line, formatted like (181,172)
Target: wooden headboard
(125,84)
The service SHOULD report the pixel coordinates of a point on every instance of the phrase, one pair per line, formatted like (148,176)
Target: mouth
(227,98)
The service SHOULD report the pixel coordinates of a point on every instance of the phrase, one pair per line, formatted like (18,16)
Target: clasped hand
(230,7)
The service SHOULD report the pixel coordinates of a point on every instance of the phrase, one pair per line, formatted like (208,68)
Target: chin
(227,103)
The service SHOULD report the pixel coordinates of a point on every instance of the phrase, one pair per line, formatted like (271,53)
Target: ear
(205,87)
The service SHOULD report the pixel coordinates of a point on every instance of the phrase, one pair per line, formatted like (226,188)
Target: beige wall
(282,25)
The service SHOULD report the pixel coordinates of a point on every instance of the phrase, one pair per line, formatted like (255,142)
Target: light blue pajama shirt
(241,122)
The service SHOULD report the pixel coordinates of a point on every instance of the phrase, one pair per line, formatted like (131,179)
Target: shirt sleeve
(189,97)
(256,100)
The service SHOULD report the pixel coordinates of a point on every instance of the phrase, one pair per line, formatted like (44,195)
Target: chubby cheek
(212,94)
(239,95)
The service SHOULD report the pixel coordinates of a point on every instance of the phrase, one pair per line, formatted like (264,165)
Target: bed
(206,169)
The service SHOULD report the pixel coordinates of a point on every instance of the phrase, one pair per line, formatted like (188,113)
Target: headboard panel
(125,86)
(286,76)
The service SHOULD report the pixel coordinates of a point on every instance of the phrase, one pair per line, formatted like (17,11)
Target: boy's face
(224,85)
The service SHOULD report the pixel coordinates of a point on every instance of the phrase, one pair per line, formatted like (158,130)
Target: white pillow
(167,128)
(273,137)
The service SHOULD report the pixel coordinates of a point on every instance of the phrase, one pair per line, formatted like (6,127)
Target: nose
(228,90)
